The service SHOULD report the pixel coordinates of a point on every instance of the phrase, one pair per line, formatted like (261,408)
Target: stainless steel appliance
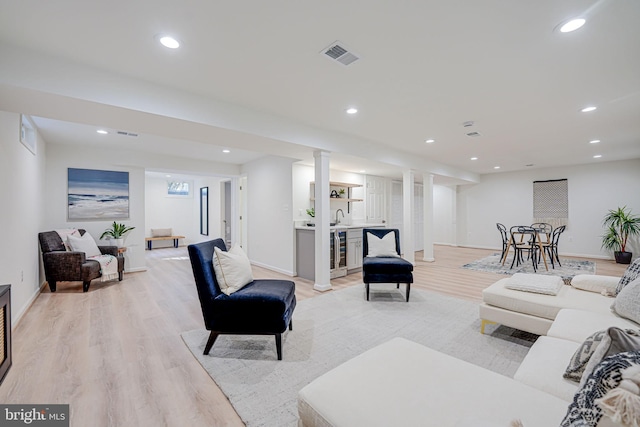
(338,245)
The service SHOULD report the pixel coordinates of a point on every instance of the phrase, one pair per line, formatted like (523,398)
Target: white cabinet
(354,249)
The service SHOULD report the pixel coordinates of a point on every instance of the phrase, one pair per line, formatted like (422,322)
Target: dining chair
(544,231)
(505,239)
(551,247)
(523,239)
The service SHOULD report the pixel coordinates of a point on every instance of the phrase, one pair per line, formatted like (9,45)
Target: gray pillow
(614,341)
(632,272)
(627,302)
(581,357)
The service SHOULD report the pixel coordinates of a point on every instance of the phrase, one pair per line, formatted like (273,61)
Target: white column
(235,212)
(427,200)
(408,201)
(323,217)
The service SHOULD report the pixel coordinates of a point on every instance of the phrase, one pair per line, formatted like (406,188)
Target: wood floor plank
(116,356)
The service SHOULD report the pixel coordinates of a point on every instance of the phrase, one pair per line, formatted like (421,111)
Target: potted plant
(341,192)
(620,224)
(312,213)
(116,232)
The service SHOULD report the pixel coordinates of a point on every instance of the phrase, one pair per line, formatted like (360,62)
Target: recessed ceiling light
(352,110)
(594,141)
(102,131)
(587,109)
(362,171)
(429,141)
(168,176)
(496,167)
(170,42)
(226,151)
(597,156)
(474,158)
(572,25)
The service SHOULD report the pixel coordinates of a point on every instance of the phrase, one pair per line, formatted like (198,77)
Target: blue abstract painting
(97,194)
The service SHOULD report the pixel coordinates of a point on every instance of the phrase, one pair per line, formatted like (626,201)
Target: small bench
(175,239)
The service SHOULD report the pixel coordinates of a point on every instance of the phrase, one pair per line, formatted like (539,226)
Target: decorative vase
(119,242)
(623,257)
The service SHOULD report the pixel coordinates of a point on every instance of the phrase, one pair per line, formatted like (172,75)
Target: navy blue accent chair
(385,269)
(263,307)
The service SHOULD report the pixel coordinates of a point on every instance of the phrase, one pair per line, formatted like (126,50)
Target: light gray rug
(332,328)
(569,268)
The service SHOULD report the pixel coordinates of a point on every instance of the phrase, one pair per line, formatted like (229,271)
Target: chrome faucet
(337,220)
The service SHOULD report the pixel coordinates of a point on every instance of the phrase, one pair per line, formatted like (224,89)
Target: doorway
(225,211)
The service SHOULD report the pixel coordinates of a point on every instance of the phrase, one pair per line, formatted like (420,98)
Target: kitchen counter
(341,226)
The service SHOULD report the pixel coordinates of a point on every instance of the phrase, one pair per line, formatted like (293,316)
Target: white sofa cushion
(545,364)
(577,325)
(546,306)
(536,283)
(595,283)
(404,383)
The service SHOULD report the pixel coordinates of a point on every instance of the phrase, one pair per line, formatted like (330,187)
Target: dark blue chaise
(263,307)
(385,269)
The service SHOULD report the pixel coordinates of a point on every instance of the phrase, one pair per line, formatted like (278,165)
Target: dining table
(538,234)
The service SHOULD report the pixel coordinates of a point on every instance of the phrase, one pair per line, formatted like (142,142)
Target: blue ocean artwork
(98,194)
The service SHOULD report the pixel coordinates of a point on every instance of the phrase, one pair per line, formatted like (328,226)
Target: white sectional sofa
(407,384)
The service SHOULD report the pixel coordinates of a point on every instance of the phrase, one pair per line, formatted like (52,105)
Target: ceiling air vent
(121,132)
(473,134)
(338,52)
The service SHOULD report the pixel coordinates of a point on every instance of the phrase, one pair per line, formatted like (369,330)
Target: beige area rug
(332,328)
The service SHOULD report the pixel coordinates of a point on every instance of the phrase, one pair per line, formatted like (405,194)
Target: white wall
(22,191)
(270,233)
(59,159)
(302,175)
(508,198)
(444,218)
(181,214)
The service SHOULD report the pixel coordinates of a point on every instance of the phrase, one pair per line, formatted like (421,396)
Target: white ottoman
(402,383)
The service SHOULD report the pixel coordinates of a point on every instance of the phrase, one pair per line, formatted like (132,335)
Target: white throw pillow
(627,302)
(84,244)
(382,247)
(232,268)
(536,283)
(594,283)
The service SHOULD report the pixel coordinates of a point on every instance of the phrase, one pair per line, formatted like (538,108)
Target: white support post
(427,196)
(408,215)
(323,217)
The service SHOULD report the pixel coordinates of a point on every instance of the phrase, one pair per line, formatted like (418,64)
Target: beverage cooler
(338,245)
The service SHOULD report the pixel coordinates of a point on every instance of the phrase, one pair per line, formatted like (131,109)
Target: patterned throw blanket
(108,266)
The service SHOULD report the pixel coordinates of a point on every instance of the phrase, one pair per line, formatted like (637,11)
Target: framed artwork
(28,134)
(97,194)
(204,211)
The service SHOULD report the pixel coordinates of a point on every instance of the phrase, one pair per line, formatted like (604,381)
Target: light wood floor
(115,353)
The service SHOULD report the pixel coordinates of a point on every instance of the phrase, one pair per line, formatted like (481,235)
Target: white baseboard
(277,270)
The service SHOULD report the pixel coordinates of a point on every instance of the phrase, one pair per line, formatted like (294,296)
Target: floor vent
(336,51)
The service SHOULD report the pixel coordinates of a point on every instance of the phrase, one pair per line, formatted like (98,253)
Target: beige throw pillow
(232,268)
(84,244)
(161,232)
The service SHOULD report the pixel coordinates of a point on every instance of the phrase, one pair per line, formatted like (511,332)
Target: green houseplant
(620,224)
(116,232)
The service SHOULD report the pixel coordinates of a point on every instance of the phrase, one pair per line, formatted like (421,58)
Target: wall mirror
(204,211)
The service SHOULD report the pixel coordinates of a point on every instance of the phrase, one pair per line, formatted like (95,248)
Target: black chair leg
(397,285)
(291,325)
(366,285)
(279,346)
(212,338)
(52,285)
(408,290)
(85,285)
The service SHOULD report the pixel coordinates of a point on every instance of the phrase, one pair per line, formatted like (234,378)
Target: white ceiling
(426,67)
